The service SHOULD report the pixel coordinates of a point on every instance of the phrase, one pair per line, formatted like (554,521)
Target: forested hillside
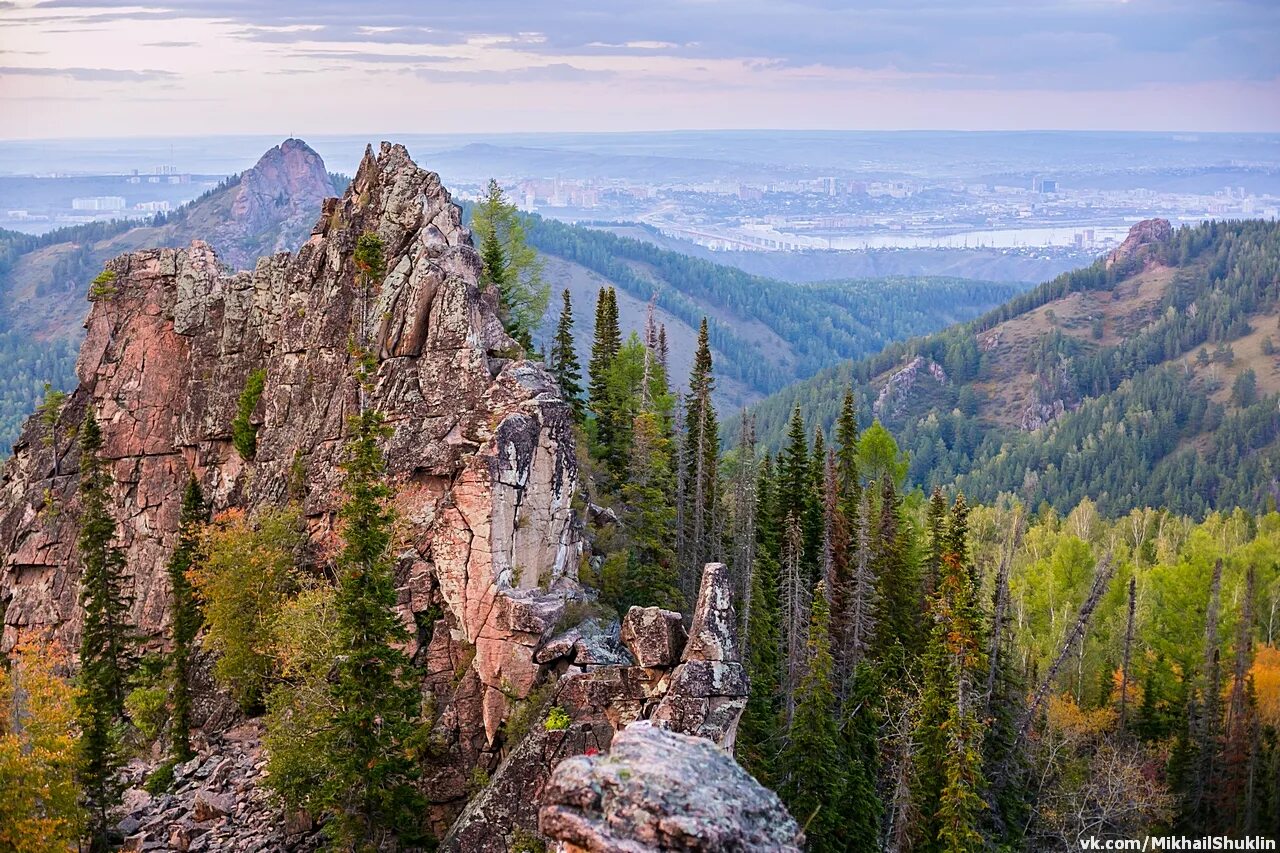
(765,333)
(1147,379)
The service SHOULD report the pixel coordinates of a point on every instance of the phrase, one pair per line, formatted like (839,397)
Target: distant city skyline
(95,68)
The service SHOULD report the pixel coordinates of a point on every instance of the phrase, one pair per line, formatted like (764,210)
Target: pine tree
(107,641)
(186,615)
(813,775)
(700,468)
(375,700)
(564,361)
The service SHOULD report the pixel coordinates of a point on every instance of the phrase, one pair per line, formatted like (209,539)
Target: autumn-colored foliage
(38,790)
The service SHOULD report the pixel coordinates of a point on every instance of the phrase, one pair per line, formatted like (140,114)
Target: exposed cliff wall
(481,455)
(481,450)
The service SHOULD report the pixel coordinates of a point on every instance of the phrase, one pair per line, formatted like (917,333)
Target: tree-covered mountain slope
(1150,378)
(765,333)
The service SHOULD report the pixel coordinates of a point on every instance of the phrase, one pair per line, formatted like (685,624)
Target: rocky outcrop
(658,790)
(893,396)
(268,208)
(694,688)
(480,451)
(273,206)
(1137,244)
(216,802)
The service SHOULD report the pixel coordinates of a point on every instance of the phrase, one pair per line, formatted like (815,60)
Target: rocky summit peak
(1145,233)
(275,199)
(480,452)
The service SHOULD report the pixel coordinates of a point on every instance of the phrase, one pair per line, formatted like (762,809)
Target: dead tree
(1128,653)
(1102,577)
(1000,608)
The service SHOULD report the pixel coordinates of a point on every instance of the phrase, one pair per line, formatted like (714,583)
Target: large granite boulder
(657,790)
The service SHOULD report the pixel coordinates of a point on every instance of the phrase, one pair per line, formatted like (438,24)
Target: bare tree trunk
(744,520)
(999,608)
(1102,576)
(1128,654)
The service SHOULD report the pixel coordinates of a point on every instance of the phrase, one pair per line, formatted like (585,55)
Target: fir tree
(899,605)
(812,774)
(604,352)
(186,615)
(374,698)
(700,467)
(758,737)
(564,360)
(650,576)
(107,641)
(847,457)
(958,633)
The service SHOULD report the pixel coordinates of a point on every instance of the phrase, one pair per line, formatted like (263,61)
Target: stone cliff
(1144,234)
(480,452)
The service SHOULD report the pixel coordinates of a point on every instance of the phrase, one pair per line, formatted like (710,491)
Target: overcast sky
(181,67)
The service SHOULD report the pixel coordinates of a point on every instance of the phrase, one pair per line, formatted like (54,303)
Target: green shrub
(244,579)
(148,710)
(102,287)
(244,435)
(557,719)
(160,781)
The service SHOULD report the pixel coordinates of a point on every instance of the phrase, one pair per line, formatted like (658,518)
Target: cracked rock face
(701,693)
(658,790)
(481,450)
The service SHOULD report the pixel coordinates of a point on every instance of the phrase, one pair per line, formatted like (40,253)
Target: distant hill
(1019,265)
(1151,378)
(765,333)
(43,280)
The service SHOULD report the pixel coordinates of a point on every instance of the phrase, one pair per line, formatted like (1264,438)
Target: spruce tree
(700,468)
(812,772)
(758,738)
(564,360)
(898,634)
(847,456)
(648,517)
(186,615)
(937,527)
(605,347)
(375,701)
(958,632)
(107,642)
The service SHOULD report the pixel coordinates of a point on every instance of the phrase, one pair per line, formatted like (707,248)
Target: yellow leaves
(1266,683)
(1076,723)
(38,791)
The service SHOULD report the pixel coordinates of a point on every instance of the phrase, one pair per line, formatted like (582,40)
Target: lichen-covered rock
(701,696)
(480,451)
(713,633)
(661,791)
(655,637)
